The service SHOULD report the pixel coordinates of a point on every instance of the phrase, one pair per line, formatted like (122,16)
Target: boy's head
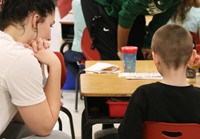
(173,44)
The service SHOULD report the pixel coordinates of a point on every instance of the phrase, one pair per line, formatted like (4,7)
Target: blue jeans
(71,59)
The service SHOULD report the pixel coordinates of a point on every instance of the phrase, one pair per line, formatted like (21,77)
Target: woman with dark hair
(23,96)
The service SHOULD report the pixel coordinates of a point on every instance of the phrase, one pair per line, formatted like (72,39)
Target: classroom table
(98,88)
(110,84)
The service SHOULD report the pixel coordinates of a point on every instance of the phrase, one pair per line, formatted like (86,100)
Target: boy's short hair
(173,44)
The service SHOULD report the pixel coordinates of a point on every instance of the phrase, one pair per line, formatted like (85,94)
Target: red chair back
(64,6)
(196,41)
(195,37)
(86,43)
(160,130)
(63,68)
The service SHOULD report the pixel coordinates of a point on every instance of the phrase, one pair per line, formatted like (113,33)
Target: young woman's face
(44,28)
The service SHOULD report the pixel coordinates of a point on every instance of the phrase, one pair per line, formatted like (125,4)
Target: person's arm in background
(122,40)
(129,12)
(157,21)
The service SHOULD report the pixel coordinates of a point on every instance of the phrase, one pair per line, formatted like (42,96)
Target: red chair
(63,68)
(90,54)
(196,41)
(161,130)
(64,6)
(86,42)
(63,109)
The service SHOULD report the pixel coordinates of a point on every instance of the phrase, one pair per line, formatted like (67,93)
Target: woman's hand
(42,53)
(38,44)
(46,56)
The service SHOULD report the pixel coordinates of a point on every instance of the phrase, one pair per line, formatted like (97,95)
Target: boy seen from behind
(172,99)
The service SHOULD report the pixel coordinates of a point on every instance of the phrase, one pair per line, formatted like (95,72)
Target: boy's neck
(175,77)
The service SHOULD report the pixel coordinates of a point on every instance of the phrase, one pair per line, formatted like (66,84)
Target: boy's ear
(156,58)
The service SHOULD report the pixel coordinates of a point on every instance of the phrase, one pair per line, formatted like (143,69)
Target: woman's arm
(41,117)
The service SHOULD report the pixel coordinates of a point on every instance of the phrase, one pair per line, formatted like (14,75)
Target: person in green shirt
(116,23)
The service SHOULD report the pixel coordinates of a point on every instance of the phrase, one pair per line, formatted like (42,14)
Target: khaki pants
(20,131)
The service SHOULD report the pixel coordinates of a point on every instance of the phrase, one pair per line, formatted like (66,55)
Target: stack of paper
(100,67)
(141,75)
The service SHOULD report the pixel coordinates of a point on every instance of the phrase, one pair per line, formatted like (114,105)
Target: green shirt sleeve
(130,10)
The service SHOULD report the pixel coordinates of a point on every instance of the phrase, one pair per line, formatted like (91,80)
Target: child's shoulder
(147,88)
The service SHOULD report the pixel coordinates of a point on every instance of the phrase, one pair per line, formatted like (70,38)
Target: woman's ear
(35,21)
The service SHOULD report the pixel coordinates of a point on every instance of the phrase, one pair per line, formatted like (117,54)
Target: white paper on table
(100,67)
(140,75)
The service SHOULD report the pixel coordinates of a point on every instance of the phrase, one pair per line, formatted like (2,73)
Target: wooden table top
(141,65)
(111,85)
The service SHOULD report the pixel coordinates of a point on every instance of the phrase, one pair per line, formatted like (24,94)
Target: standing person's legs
(103,30)
(71,58)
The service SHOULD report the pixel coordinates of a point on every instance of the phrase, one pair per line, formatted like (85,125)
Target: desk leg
(86,127)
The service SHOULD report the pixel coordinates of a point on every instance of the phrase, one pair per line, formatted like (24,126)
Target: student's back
(170,103)
(172,99)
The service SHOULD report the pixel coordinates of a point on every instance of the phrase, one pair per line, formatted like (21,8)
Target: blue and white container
(129,54)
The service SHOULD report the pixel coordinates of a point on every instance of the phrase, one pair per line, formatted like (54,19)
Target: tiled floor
(69,102)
